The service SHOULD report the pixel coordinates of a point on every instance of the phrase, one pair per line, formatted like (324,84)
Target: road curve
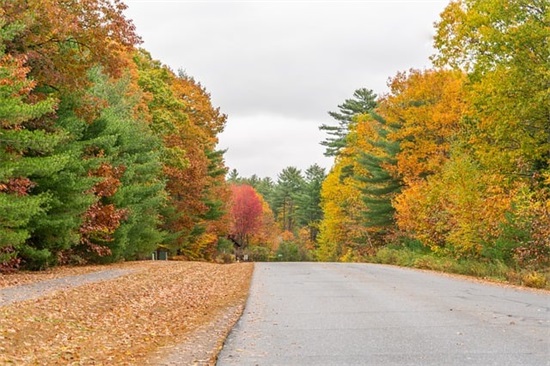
(364,314)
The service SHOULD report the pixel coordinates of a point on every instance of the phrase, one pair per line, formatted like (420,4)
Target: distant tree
(233,176)
(309,211)
(290,183)
(246,212)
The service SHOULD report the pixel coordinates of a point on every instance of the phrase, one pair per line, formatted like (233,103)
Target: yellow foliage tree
(428,106)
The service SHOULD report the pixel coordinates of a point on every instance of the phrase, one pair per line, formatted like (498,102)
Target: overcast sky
(277,67)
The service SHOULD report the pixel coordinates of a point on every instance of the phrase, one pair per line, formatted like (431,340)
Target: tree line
(287,226)
(105,153)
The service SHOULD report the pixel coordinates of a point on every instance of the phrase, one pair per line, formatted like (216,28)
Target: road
(363,314)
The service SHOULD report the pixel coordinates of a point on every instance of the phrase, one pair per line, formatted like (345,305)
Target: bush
(291,252)
(534,279)
(258,254)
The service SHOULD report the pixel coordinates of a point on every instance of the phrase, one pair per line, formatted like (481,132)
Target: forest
(106,154)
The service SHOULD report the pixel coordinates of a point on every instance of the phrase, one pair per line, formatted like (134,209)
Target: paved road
(361,314)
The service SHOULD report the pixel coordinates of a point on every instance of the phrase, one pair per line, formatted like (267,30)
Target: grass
(495,271)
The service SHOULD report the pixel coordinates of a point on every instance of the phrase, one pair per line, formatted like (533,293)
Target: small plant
(535,279)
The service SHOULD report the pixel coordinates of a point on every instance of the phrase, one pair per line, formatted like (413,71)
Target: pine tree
(128,145)
(26,153)
(309,211)
(380,184)
(364,101)
(289,184)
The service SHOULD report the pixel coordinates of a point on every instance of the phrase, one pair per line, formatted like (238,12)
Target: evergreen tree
(363,101)
(70,189)
(127,144)
(25,154)
(266,188)
(309,211)
(380,184)
(233,177)
(289,184)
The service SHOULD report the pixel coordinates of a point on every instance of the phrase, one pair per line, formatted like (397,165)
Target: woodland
(106,154)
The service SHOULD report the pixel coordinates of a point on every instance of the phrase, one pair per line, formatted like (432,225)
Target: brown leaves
(102,219)
(121,321)
(19,186)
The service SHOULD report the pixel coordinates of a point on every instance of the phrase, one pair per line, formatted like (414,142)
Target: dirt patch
(128,320)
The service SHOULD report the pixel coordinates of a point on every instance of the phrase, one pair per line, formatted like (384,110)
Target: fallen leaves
(121,321)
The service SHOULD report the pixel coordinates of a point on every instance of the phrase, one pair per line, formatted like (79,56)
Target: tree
(289,184)
(183,118)
(340,230)
(428,107)
(267,234)
(309,212)
(233,177)
(24,155)
(380,185)
(62,40)
(246,213)
(364,100)
(132,152)
(503,45)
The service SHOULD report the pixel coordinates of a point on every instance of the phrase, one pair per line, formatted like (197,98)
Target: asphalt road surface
(362,314)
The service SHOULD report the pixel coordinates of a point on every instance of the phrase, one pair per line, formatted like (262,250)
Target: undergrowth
(422,258)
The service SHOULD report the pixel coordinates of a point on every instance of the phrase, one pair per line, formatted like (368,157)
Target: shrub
(534,279)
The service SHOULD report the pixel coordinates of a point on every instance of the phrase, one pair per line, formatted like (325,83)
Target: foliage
(25,154)
(308,200)
(246,213)
(364,100)
(289,251)
(187,124)
(106,153)
(259,253)
(290,181)
(379,183)
(63,40)
(342,207)
(504,47)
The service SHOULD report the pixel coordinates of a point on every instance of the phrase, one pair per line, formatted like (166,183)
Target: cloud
(277,62)
(266,144)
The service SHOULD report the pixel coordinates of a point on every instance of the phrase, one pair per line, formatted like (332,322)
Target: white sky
(277,67)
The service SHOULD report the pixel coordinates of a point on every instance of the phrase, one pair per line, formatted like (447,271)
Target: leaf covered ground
(122,321)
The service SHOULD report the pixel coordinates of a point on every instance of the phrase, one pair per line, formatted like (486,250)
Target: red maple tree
(246,212)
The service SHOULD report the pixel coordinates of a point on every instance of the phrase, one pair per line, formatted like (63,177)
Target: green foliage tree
(127,142)
(25,155)
(363,101)
(378,181)
(290,183)
(309,212)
